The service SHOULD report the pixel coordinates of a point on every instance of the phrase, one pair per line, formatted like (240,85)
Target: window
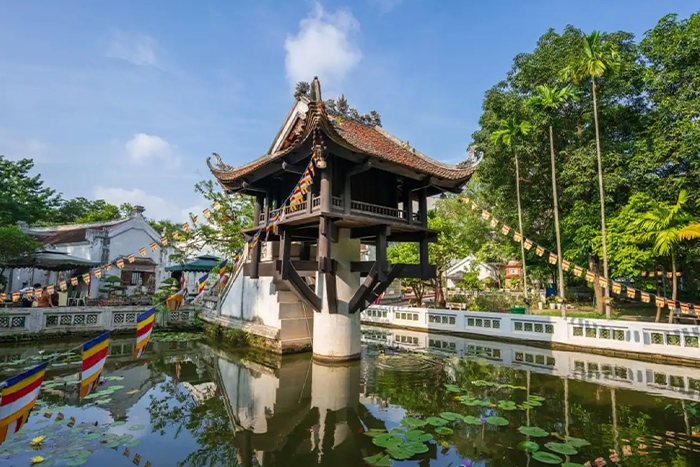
(135,278)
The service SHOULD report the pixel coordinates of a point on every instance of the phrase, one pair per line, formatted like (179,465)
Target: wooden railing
(376,210)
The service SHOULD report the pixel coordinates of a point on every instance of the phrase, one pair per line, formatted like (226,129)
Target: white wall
(252,299)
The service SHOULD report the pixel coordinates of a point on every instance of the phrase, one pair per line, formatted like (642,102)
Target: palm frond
(690,231)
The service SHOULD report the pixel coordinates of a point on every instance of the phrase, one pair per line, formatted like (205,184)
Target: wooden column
(423,207)
(382,263)
(347,194)
(255,262)
(268,206)
(424,257)
(326,192)
(259,200)
(285,252)
(324,245)
(408,203)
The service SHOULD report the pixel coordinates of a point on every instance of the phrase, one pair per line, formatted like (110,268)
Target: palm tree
(598,58)
(551,100)
(667,226)
(509,130)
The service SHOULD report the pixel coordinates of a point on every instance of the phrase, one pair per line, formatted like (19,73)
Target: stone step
(294,310)
(286,296)
(296,328)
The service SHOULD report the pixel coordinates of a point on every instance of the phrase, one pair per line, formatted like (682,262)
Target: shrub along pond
(191,403)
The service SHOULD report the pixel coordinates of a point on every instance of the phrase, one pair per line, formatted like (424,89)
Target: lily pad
(437,421)
(528,446)
(112,444)
(451,416)
(374,432)
(561,448)
(472,420)
(418,435)
(136,427)
(413,422)
(386,440)
(444,430)
(498,421)
(399,453)
(76,461)
(535,431)
(577,442)
(133,443)
(114,378)
(453,388)
(104,401)
(535,397)
(547,457)
(122,422)
(379,460)
(507,405)
(533,403)
(92,436)
(397,431)
(415,447)
(125,438)
(116,387)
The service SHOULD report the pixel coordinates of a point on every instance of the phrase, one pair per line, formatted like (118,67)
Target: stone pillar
(337,335)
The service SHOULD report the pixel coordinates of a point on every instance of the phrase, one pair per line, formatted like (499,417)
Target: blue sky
(125,100)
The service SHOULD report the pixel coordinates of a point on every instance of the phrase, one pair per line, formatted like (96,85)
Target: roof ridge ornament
(473,159)
(315,93)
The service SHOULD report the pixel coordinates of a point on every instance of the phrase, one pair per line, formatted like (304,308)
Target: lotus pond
(192,403)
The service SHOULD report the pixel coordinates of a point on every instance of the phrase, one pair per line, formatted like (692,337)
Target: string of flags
(591,276)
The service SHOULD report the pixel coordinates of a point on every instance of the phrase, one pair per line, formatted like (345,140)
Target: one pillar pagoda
(369,188)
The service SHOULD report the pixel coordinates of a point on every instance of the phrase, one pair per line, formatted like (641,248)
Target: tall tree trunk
(556,224)
(594,266)
(520,221)
(602,201)
(674,282)
(658,308)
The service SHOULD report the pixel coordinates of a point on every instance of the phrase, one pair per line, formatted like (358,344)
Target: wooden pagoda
(368,183)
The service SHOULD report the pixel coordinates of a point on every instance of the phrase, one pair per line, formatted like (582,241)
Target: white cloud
(137,49)
(143,148)
(156,207)
(323,47)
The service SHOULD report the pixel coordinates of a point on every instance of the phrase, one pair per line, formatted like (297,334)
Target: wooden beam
(257,210)
(414,237)
(304,265)
(300,288)
(424,257)
(381,246)
(362,267)
(324,244)
(361,294)
(325,191)
(408,202)
(358,169)
(255,262)
(266,269)
(372,231)
(396,271)
(423,207)
(331,292)
(285,253)
(407,271)
(292,169)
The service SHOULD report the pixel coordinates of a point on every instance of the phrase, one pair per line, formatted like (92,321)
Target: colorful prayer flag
(142,252)
(131,258)
(195,219)
(644,274)
(465,199)
(63,286)
(671,304)
(86,277)
(616,287)
(163,241)
(474,206)
(94,357)
(528,244)
(107,267)
(16,296)
(144,326)
(37,292)
(565,265)
(154,246)
(50,289)
(578,270)
(216,206)
(98,273)
(120,263)
(552,258)
(678,274)
(631,293)
(207,213)
(186,227)
(518,237)
(603,282)
(222,268)
(494,222)
(176,235)
(485,214)
(685,308)
(660,301)
(669,275)
(645,297)
(28,294)
(175,301)
(590,277)
(17,399)
(201,283)
(539,251)
(505,229)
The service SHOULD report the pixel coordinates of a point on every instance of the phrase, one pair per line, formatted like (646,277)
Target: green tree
(598,58)
(663,225)
(23,197)
(13,244)
(510,130)
(551,100)
(407,253)
(84,211)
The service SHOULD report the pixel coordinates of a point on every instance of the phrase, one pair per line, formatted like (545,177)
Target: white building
(456,272)
(103,243)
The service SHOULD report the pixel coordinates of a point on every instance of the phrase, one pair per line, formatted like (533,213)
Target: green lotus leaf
(136,427)
(413,435)
(453,388)
(498,421)
(386,440)
(122,422)
(114,378)
(112,444)
(133,443)
(561,448)
(547,457)
(535,431)
(472,420)
(397,431)
(577,442)
(528,446)
(374,432)
(415,447)
(104,401)
(379,460)
(535,397)
(437,421)
(443,430)
(451,416)
(76,461)
(125,438)
(533,403)
(93,436)
(399,453)
(116,387)
(413,422)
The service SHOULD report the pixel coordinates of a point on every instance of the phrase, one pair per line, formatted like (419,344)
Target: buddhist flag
(465,199)
(474,206)
(63,286)
(485,214)
(590,277)
(494,222)
(669,275)
(201,283)
(175,301)
(216,206)
(631,293)
(578,270)
(154,246)
(37,293)
(505,229)
(528,244)
(616,287)
(176,235)
(207,213)
(652,273)
(94,357)
(120,263)
(3,297)
(685,308)
(86,278)
(552,258)
(50,289)
(645,297)
(195,219)
(142,252)
(565,265)
(660,301)
(671,304)
(186,227)
(603,282)
(539,251)
(107,267)
(17,399)
(305,181)
(678,274)
(28,294)
(131,258)
(222,268)
(144,327)
(163,241)
(16,296)
(98,273)
(518,237)
(644,274)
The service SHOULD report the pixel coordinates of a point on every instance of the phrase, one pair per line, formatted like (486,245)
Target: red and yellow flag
(474,206)
(142,252)
(631,293)
(17,399)
(63,286)
(120,263)
(131,258)
(485,214)
(207,213)
(660,301)
(685,308)
(216,206)
(98,273)
(94,357)
(176,235)
(671,304)
(195,219)
(552,258)
(16,296)
(494,222)
(518,237)
(539,251)
(505,229)
(186,227)
(107,267)
(565,265)
(86,277)
(645,297)
(528,244)
(603,282)
(163,241)
(616,287)
(37,293)
(590,277)
(3,297)
(154,246)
